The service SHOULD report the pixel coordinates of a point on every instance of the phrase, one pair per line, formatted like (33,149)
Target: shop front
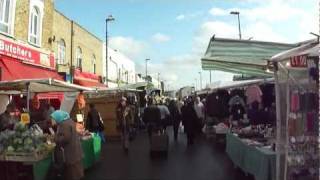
(20,61)
(87,79)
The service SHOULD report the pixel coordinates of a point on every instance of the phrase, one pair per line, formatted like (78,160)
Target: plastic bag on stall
(181,128)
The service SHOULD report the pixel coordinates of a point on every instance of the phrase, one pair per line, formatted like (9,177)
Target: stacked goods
(24,144)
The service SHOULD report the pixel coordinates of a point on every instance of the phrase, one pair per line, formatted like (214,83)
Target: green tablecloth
(91,150)
(259,162)
(41,168)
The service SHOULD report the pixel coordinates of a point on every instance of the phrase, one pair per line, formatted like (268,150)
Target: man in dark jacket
(151,116)
(94,122)
(175,117)
(189,119)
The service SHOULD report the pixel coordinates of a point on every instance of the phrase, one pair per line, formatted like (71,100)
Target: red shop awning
(13,69)
(87,79)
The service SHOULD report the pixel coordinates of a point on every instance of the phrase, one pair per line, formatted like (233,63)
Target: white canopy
(310,49)
(39,86)
(238,84)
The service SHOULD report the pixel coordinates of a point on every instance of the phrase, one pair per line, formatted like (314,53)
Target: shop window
(94,70)
(61,52)
(35,26)
(79,58)
(7,10)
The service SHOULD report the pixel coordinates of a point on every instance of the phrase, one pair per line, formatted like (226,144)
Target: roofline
(96,37)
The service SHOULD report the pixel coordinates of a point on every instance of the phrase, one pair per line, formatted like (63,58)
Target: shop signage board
(26,54)
(298,61)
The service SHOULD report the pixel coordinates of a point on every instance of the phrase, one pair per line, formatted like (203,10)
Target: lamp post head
(147,59)
(235,12)
(110,18)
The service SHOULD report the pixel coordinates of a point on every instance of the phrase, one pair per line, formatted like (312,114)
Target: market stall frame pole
(281,168)
(28,96)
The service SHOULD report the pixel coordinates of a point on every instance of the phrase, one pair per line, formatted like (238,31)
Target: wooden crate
(25,157)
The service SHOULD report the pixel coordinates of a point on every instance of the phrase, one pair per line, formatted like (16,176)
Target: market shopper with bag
(189,120)
(95,123)
(199,109)
(123,117)
(68,143)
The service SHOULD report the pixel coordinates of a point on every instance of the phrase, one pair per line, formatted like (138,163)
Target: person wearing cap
(8,118)
(67,138)
(123,118)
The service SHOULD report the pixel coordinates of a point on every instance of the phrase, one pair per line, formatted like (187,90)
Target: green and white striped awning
(241,56)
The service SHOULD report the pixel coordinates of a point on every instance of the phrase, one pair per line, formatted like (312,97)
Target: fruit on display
(23,140)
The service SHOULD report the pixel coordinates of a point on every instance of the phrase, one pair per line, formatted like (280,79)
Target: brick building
(35,37)
(76,49)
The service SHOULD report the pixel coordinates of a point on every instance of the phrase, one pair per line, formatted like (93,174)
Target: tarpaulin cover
(241,56)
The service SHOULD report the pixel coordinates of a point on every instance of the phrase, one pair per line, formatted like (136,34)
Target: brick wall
(89,44)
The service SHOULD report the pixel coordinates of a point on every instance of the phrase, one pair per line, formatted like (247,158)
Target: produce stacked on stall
(25,144)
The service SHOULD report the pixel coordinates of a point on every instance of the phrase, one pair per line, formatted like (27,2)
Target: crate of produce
(26,156)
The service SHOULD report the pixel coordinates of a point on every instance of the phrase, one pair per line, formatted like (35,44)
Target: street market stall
(25,148)
(106,102)
(256,139)
(297,90)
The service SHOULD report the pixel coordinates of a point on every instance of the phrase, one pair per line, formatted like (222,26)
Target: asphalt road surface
(203,161)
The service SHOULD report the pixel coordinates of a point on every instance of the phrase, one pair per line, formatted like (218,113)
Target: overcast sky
(174,34)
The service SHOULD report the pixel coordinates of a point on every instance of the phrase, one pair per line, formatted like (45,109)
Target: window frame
(61,56)
(79,57)
(11,17)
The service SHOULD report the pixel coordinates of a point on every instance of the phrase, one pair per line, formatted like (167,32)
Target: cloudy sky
(174,34)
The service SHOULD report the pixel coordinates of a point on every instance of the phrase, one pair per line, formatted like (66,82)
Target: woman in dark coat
(67,138)
(189,119)
(175,117)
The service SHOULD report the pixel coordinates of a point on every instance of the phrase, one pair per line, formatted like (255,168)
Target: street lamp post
(147,68)
(158,80)
(200,80)
(108,19)
(238,14)
(210,76)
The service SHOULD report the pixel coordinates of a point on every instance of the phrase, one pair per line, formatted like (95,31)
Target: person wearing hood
(67,138)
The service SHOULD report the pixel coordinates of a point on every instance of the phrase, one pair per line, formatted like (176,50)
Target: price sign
(25,118)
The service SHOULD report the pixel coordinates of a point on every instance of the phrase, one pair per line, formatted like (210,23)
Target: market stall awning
(238,84)
(310,48)
(40,85)
(13,70)
(241,56)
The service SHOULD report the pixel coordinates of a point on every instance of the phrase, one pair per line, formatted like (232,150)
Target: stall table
(259,162)
(38,170)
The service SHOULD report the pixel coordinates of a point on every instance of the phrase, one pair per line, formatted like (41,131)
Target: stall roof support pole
(28,96)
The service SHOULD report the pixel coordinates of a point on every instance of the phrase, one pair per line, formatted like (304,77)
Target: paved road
(203,161)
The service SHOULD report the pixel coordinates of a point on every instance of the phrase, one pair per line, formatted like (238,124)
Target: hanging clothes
(253,93)
(236,100)
(295,101)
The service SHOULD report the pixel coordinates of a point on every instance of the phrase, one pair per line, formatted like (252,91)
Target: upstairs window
(79,58)
(35,24)
(94,64)
(61,52)
(7,10)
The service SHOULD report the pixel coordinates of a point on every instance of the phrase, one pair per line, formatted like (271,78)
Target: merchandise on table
(25,144)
